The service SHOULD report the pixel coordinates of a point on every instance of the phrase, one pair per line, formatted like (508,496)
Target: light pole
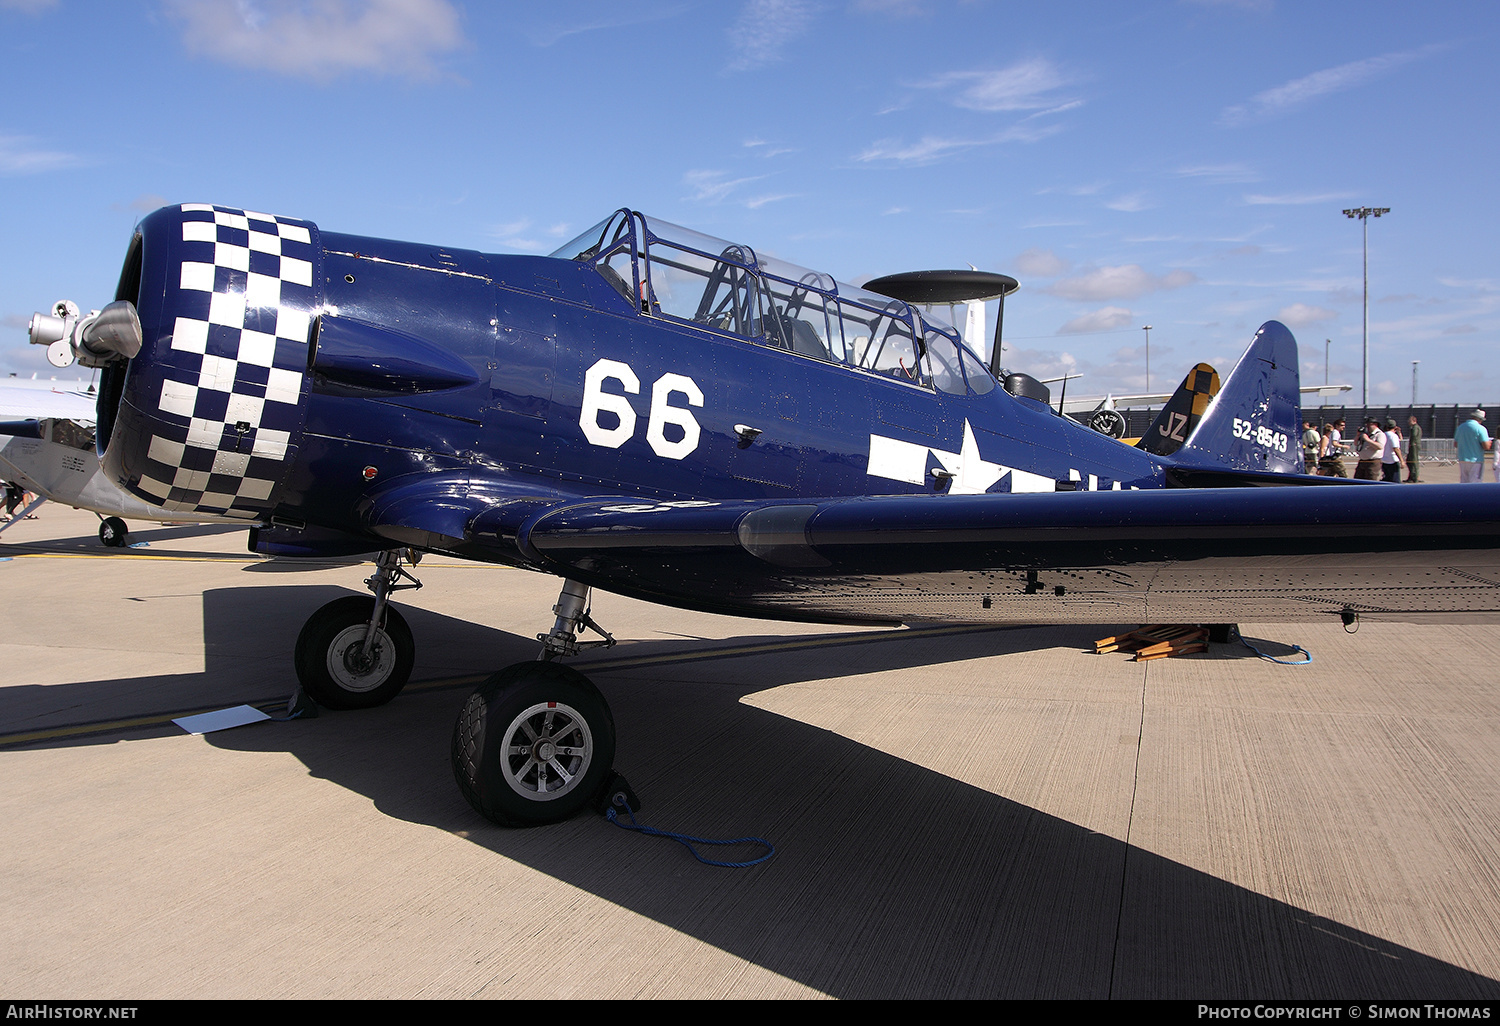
(1414,381)
(1326,343)
(1147,330)
(1364,214)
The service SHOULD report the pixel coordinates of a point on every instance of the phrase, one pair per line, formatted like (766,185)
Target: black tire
(113,532)
(507,783)
(1223,633)
(329,655)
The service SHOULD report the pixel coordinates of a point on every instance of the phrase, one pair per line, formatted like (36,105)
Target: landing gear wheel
(333,666)
(113,532)
(1108,422)
(533,744)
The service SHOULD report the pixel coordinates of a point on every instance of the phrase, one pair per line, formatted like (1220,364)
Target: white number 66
(596,401)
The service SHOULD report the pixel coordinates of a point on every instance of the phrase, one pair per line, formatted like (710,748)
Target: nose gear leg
(388,578)
(572,611)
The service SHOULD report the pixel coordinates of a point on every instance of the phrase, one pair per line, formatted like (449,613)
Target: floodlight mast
(1147,329)
(1364,214)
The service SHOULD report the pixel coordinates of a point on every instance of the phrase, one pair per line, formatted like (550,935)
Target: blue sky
(1180,163)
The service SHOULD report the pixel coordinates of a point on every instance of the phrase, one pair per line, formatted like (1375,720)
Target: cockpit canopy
(676,273)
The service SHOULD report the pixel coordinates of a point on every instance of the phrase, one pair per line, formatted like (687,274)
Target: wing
(1175,555)
(22,403)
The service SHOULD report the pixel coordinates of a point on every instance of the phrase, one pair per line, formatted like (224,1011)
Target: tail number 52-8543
(1262,436)
(663,415)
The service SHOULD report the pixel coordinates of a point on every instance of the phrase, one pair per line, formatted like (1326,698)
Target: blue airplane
(680,419)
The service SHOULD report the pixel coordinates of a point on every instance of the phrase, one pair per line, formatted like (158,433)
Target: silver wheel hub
(548,749)
(353,670)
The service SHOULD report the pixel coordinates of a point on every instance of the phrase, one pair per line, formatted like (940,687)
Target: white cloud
(1041,263)
(713,186)
(1107,319)
(587,18)
(1221,174)
(1124,282)
(926,151)
(28,6)
(19,155)
(1300,315)
(1131,204)
(763,30)
(1045,363)
(931,149)
(513,235)
(1299,91)
(1296,199)
(1073,190)
(1460,329)
(756,202)
(1022,86)
(321,39)
(1384,388)
(765,149)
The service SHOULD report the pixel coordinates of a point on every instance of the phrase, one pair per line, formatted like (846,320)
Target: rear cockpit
(677,274)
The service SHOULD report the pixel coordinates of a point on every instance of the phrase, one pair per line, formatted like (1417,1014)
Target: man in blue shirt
(1473,442)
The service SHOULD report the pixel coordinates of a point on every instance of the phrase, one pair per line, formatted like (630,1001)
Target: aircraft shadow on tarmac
(157,539)
(891,879)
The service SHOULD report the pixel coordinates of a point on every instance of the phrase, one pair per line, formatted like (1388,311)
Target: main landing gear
(535,743)
(113,533)
(356,652)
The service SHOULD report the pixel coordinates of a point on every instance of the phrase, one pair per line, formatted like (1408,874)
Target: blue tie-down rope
(683,839)
(1283,662)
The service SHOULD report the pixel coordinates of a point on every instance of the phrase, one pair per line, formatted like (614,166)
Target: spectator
(1311,444)
(1329,464)
(1413,450)
(1473,442)
(1390,457)
(1371,442)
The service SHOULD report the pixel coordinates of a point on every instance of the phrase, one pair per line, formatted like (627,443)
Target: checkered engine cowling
(212,409)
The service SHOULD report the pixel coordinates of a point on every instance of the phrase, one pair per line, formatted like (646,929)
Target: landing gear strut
(535,743)
(357,652)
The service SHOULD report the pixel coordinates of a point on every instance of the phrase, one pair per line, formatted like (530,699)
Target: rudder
(1254,422)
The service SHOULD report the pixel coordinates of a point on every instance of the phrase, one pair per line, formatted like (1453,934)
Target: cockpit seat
(805,341)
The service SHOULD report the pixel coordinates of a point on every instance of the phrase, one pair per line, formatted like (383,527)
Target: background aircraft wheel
(533,744)
(113,532)
(1108,422)
(330,658)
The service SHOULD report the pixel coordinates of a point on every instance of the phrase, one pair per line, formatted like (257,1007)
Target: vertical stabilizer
(1179,418)
(1254,422)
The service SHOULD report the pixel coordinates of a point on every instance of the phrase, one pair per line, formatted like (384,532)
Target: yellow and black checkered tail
(1178,419)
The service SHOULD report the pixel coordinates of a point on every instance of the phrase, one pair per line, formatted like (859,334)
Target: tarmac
(957,812)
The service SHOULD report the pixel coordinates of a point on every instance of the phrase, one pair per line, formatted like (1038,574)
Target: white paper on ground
(219,719)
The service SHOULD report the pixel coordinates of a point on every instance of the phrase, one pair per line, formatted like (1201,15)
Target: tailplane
(1253,424)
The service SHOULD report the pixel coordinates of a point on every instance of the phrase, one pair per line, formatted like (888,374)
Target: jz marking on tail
(1176,422)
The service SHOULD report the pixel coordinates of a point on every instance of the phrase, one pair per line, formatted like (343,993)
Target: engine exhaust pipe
(115,332)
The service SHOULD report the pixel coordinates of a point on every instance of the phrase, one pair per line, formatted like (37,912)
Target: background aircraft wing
(1086,403)
(30,402)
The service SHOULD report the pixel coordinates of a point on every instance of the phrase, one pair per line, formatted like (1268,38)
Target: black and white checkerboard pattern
(233,376)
